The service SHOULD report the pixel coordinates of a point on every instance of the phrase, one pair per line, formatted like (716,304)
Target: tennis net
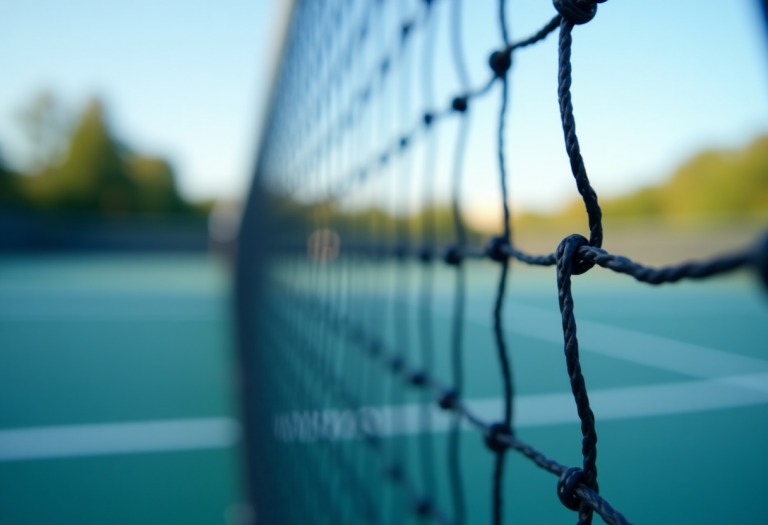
(349,367)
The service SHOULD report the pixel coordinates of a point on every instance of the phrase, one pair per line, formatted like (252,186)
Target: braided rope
(331,136)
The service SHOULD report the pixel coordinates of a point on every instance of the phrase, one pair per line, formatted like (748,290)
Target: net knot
(500,62)
(459,104)
(453,256)
(396,363)
(395,472)
(448,399)
(496,249)
(423,507)
(577,11)
(761,260)
(404,142)
(566,487)
(425,255)
(493,435)
(428,118)
(418,378)
(406,30)
(570,245)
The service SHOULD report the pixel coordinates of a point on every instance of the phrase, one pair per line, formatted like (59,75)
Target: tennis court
(677,376)
(120,370)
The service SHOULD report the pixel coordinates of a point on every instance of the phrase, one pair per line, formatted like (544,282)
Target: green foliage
(94,176)
(155,188)
(359,225)
(9,185)
(98,175)
(713,183)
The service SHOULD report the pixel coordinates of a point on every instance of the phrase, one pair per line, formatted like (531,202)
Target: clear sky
(654,82)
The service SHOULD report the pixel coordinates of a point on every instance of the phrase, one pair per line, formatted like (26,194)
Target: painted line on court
(110,306)
(531,410)
(628,345)
(117,438)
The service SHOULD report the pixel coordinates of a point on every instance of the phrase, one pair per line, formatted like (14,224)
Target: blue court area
(116,392)
(118,404)
(678,380)
(677,376)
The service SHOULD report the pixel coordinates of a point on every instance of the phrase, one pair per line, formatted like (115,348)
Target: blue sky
(654,82)
(181,79)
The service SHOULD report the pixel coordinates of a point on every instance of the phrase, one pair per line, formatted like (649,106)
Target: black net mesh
(354,386)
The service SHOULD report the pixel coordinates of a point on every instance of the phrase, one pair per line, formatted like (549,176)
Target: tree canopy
(99,175)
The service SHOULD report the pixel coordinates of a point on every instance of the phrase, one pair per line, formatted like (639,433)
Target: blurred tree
(156,189)
(93,176)
(714,182)
(44,123)
(98,174)
(9,185)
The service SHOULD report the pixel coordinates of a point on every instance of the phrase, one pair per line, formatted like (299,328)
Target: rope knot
(569,248)
(500,62)
(423,507)
(577,11)
(496,249)
(493,434)
(453,256)
(566,487)
(395,472)
(418,378)
(448,399)
(396,364)
(406,30)
(459,104)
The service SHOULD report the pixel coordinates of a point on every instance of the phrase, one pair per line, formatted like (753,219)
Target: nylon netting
(342,349)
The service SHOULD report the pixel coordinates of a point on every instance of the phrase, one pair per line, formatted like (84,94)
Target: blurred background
(128,135)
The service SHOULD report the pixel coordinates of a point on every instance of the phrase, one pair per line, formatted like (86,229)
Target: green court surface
(678,380)
(117,402)
(116,398)
(677,376)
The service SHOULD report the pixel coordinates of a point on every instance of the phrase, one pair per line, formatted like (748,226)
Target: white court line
(109,311)
(117,438)
(627,345)
(534,410)
(530,411)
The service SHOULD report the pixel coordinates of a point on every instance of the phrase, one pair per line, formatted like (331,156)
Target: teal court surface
(116,392)
(118,404)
